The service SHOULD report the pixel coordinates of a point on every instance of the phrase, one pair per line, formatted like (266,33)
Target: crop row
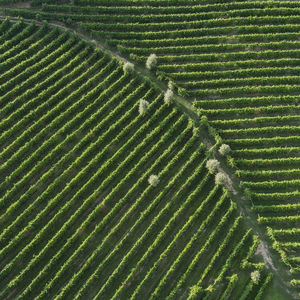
(23,81)
(237,40)
(236,124)
(178,214)
(212,236)
(27,34)
(73,178)
(123,7)
(136,224)
(233,56)
(54,154)
(247,102)
(278,220)
(36,133)
(79,217)
(89,217)
(240,66)
(27,195)
(187,248)
(82,158)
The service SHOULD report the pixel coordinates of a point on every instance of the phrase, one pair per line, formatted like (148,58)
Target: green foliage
(78,155)
(194,292)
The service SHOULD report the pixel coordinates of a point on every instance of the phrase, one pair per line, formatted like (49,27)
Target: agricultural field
(106,189)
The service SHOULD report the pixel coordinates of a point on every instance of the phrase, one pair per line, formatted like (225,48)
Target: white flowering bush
(171,85)
(255,276)
(212,165)
(224,149)
(128,67)
(151,61)
(143,106)
(169,95)
(220,178)
(153,180)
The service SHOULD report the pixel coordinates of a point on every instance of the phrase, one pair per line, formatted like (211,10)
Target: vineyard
(106,190)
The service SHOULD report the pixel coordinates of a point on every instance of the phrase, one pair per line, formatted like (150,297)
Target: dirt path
(270,257)
(24,4)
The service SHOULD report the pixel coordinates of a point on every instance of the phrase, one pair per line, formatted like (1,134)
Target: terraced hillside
(238,63)
(78,216)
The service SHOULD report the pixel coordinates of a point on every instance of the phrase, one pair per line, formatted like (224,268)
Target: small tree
(220,178)
(143,106)
(169,95)
(255,276)
(224,149)
(212,165)
(153,180)
(151,61)
(128,67)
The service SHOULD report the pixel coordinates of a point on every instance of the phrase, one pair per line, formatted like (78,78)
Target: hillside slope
(79,218)
(238,63)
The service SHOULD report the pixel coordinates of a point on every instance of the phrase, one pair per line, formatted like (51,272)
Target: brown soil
(25,4)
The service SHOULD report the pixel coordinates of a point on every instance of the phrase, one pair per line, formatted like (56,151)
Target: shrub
(153,180)
(194,292)
(171,85)
(143,106)
(38,17)
(224,149)
(128,67)
(69,21)
(151,61)
(169,95)
(255,276)
(45,23)
(220,178)
(212,165)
